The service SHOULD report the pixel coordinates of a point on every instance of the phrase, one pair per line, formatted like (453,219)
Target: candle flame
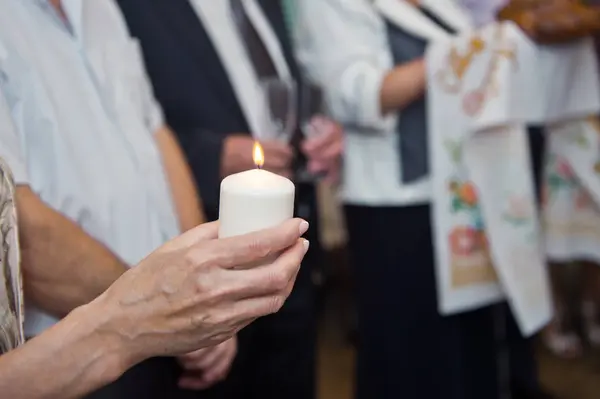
(258,155)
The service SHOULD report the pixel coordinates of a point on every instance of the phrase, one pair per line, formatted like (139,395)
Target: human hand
(238,150)
(324,150)
(198,291)
(206,367)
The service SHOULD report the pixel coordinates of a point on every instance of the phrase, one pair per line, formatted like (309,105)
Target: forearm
(185,194)
(403,85)
(71,359)
(63,266)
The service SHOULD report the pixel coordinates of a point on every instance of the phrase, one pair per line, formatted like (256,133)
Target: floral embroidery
(594,122)
(452,77)
(458,65)
(519,211)
(559,176)
(465,240)
(465,200)
(469,238)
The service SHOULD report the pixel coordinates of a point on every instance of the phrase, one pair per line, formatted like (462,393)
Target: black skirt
(405,348)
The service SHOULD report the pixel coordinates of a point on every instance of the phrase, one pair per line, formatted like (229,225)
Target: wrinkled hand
(206,367)
(198,291)
(238,151)
(325,148)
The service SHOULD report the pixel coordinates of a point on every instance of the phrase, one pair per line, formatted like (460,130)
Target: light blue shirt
(85,118)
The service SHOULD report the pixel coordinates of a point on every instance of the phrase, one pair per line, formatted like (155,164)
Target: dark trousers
(405,348)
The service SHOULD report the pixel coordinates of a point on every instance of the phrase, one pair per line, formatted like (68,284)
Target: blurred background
(565,378)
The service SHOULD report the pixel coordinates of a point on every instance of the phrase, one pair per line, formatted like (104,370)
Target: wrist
(92,326)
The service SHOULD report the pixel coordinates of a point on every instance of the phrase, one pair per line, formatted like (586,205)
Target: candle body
(254,200)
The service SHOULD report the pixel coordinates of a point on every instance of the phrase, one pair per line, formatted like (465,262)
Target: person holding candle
(369,57)
(101,180)
(208,61)
(98,341)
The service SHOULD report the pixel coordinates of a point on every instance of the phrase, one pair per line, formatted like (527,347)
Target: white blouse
(343,45)
(84,118)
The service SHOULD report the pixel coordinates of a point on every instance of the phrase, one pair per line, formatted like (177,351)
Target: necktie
(263,64)
(257,50)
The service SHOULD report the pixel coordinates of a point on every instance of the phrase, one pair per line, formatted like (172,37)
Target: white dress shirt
(85,117)
(343,45)
(219,22)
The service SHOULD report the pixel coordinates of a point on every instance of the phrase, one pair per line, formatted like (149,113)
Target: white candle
(254,200)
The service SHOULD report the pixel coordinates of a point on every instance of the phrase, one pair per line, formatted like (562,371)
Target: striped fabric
(11,286)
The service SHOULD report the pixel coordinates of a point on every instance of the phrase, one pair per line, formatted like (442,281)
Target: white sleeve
(10,143)
(340,46)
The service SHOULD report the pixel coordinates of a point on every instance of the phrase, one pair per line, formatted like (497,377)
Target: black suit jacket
(190,81)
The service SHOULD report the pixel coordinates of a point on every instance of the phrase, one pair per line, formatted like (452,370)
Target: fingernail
(303,227)
(306,245)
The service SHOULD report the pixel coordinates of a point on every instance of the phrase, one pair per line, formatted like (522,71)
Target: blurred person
(207,61)
(197,299)
(576,292)
(369,57)
(560,336)
(101,182)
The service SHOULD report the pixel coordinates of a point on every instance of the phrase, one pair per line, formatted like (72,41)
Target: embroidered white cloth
(572,191)
(11,288)
(484,88)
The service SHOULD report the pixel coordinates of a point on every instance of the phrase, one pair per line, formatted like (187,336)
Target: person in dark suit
(206,61)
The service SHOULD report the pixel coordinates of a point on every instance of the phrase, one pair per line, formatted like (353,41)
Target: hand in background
(324,149)
(237,155)
(207,367)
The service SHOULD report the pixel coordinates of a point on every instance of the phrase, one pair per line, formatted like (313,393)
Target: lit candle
(254,200)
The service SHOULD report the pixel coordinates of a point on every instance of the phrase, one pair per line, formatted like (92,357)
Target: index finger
(247,250)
